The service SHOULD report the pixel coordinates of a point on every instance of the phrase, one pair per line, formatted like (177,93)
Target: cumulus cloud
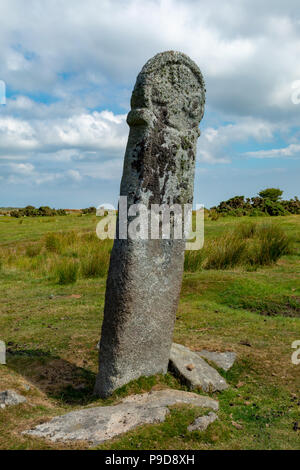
(70,67)
(215,145)
(292,150)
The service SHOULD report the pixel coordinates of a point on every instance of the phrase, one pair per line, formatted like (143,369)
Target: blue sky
(70,66)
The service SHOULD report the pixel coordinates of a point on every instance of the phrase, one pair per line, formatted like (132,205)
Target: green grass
(51,331)
(67,272)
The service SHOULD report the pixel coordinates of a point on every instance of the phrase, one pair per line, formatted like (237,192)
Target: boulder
(202,375)
(101,423)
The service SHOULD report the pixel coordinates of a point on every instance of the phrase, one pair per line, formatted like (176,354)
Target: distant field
(52,328)
(32,228)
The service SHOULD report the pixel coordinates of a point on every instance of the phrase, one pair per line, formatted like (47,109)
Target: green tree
(273,194)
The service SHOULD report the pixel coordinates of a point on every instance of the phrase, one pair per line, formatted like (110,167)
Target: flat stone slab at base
(10,398)
(202,423)
(202,375)
(99,424)
(224,360)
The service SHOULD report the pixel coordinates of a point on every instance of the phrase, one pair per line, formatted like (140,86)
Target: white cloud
(214,145)
(292,150)
(22,168)
(74,174)
(64,61)
(248,51)
(95,131)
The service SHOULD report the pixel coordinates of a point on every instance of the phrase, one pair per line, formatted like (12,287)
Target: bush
(67,272)
(31,211)
(292,206)
(274,208)
(268,202)
(213,215)
(89,210)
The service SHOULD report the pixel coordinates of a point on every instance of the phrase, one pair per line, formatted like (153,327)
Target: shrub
(268,202)
(31,211)
(257,213)
(292,206)
(274,208)
(67,272)
(213,215)
(89,210)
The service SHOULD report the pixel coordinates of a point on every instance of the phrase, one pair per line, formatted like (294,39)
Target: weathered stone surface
(2,353)
(224,360)
(9,398)
(99,424)
(144,278)
(201,376)
(202,423)
(170,397)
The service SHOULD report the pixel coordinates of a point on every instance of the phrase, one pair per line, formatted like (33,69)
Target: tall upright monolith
(145,275)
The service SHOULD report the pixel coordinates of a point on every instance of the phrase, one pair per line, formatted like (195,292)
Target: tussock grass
(193,260)
(246,230)
(33,250)
(53,243)
(67,272)
(95,264)
(64,256)
(247,245)
(225,253)
(271,243)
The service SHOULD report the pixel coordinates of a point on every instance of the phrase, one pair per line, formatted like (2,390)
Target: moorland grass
(51,331)
(254,244)
(67,272)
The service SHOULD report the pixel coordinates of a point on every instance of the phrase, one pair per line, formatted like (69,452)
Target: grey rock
(224,360)
(10,398)
(202,423)
(170,397)
(99,424)
(2,353)
(145,275)
(201,376)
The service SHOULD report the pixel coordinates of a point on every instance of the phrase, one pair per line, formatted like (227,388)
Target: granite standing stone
(145,276)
